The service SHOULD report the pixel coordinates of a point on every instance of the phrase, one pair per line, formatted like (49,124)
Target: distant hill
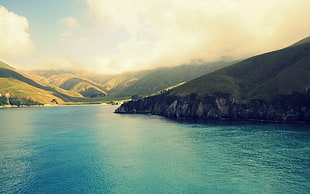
(161,78)
(127,84)
(18,84)
(85,87)
(274,86)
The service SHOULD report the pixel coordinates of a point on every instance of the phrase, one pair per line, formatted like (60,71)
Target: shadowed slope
(20,85)
(268,87)
(262,76)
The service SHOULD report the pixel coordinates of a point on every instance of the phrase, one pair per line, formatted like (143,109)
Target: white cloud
(172,32)
(70,22)
(70,27)
(14,36)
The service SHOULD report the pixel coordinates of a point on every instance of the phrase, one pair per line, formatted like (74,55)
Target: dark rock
(222,106)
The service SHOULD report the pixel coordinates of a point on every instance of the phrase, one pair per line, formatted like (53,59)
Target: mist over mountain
(262,76)
(271,86)
(125,85)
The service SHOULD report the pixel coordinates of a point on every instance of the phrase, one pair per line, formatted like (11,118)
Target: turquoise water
(89,149)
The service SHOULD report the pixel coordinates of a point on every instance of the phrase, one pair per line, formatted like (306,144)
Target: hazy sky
(110,36)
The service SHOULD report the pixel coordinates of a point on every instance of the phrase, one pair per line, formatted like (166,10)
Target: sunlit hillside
(18,84)
(262,76)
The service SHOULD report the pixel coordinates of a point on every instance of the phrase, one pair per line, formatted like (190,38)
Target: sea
(90,149)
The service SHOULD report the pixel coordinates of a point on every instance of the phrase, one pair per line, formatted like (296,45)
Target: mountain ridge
(127,84)
(273,86)
(261,76)
(82,87)
(18,84)
(302,41)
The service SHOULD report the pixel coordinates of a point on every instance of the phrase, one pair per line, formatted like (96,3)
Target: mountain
(17,84)
(125,85)
(259,77)
(271,86)
(85,87)
(5,66)
(156,80)
(303,41)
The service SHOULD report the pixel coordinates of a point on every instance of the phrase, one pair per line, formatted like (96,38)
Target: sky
(106,36)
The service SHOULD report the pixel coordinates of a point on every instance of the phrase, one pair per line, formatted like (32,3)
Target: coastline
(293,108)
(22,106)
(54,105)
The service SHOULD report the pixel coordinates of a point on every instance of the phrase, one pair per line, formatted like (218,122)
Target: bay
(89,149)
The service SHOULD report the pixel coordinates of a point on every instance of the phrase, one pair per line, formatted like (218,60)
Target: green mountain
(270,87)
(259,77)
(85,87)
(161,78)
(127,84)
(15,83)
(303,41)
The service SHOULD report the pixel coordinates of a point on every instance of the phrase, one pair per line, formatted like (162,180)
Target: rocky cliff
(294,107)
(273,86)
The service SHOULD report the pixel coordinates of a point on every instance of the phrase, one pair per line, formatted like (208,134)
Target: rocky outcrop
(221,106)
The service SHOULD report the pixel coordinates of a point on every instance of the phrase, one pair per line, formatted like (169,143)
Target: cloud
(70,22)
(54,63)
(14,36)
(173,32)
(70,27)
(64,62)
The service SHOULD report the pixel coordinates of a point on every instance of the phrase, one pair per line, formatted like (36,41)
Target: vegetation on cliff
(17,101)
(259,77)
(272,86)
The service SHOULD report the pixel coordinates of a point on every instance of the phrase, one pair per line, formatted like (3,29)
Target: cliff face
(221,106)
(263,87)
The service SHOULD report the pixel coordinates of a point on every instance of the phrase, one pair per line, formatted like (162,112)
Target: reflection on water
(88,149)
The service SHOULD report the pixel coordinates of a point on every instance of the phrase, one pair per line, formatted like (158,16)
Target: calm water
(89,149)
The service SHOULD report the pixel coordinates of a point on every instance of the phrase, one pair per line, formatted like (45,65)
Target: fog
(144,34)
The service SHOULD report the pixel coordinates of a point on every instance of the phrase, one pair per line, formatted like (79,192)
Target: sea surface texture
(89,149)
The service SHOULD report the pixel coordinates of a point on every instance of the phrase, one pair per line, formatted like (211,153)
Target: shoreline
(54,105)
(228,121)
(225,121)
(21,106)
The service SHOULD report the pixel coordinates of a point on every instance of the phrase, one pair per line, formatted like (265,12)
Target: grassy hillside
(262,76)
(22,89)
(159,79)
(71,82)
(125,85)
(5,66)
(21,85)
